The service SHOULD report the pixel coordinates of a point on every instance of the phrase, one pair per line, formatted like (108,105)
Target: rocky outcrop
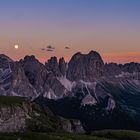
(56,89)
(72,126)
(44,78)
(87,67)
(13,80)
(62,66)
(131,67)
(58,68)
(35,72)
(112,69)
(14,111)
(19,114)
(56,79)
(53,66)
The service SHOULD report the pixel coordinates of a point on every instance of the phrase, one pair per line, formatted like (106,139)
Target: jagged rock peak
(30,58)
(13,81)
(35,71)
(30,63)
(57,67)
(62,59)
(112,69)
(53,66)
(94,54)
(77,55)
(131,67)
(62,66)
(3,56)
(86,67)
(52,62)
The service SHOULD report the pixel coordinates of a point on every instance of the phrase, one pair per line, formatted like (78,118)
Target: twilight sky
(111,27)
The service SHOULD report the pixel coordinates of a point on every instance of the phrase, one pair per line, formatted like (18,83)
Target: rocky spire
(13,81)
(62,66)
(35,72)
(53,66)
(85,67)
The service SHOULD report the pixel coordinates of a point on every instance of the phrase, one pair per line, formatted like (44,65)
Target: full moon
(16,46)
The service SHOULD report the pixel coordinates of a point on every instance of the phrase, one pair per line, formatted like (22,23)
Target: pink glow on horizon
(108,57)
(122,57)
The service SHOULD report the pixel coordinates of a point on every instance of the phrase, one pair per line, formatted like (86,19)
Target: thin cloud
(50,47)
(49,50)
(67,48)
(42,49)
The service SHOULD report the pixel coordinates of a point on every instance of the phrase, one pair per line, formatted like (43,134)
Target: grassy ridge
(118,135)
(11,100)
(50,136)
(99,135)
(50,122)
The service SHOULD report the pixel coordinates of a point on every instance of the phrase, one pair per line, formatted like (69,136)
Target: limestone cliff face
(20,114)
(13,116)
(13,81)
(35,72)
(72,126)
(44,77)
(57,67)
(85,67)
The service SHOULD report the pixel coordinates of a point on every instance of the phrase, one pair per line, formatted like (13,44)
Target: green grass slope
(50,136)
(118,134)
(11,100)
(98,135)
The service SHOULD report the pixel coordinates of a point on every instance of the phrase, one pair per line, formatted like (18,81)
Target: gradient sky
(111,27)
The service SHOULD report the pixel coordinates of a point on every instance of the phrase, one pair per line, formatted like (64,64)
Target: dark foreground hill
(19,114)
(99,135)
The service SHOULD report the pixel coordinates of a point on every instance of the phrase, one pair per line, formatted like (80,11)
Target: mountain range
(100,95)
